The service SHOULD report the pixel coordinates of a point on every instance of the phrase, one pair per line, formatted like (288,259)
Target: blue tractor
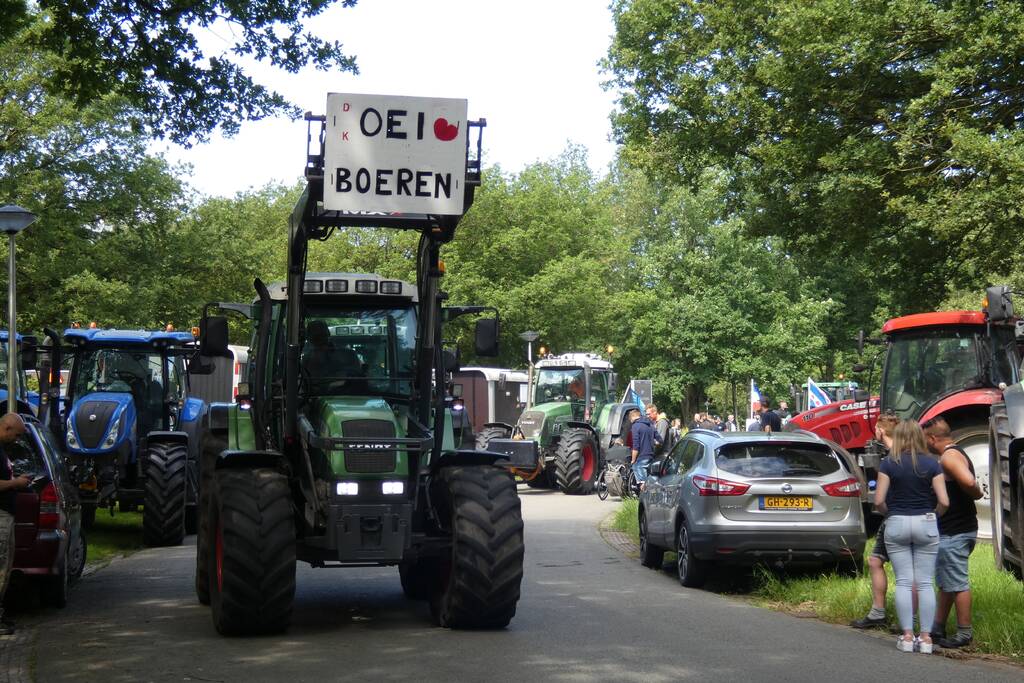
(129,426)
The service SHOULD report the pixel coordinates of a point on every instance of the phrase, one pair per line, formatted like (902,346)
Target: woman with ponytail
(911,493)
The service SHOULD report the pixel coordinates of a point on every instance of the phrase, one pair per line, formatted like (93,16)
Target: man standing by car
(661,425)
(11,427)
(958,532)
(645,438)
(770,420)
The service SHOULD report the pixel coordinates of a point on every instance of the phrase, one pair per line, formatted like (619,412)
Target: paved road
(587,613)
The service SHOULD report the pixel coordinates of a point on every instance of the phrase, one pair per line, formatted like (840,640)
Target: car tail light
(847,488)
(49,508)
(713,486)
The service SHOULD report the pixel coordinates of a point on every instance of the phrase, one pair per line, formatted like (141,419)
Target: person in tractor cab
(323,362)
(958,533)
(11,427)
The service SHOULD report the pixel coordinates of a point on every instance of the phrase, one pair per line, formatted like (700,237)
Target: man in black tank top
(958,532)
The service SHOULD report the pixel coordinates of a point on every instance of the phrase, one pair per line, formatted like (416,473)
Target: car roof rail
(709,432)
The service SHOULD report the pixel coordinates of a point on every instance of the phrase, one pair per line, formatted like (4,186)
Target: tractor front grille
(91,421)
(369,458)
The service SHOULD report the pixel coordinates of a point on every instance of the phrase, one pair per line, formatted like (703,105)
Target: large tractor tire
(577,462)
(252,549)
(163,511)
(488,433)
(478,585)
(210,447)
(1005,487)
(974,438)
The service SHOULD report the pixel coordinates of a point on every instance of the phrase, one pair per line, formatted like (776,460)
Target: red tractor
(950,364)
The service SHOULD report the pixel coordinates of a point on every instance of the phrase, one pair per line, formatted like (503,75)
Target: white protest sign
(395,154)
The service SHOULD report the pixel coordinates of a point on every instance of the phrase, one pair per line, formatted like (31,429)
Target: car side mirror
(486,337)
(213,336)
(654,468)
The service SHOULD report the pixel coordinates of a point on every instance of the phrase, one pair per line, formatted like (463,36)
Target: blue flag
(816,396)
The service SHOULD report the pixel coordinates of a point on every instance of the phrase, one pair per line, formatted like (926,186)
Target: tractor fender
(499,424)
(570,424)
(217,418)
(248,459)
(174,437)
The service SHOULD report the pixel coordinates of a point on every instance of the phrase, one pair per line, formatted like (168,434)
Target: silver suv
(752,497)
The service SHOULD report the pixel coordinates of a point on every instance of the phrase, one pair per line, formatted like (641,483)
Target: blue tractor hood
(100,421)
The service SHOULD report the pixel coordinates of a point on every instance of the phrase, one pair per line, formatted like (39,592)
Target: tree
(880,138)
(150,52)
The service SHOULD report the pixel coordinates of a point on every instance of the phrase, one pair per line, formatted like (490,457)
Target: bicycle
(617,479)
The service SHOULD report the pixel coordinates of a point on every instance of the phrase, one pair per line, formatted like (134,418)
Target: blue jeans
(951,567)
(912,542)
(640,467)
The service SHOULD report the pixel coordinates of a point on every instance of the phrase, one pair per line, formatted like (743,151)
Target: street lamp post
(529,337)
(13,219)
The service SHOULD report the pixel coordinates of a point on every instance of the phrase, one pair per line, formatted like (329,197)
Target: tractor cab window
(923,367)
(138,373)
(559,384)
(355,351)
(3,371)
(1005,356)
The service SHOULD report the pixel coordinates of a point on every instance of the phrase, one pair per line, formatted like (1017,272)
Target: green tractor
(339,450)
(575,435)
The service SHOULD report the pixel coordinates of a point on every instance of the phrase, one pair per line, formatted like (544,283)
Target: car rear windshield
(777,460)
(25,459)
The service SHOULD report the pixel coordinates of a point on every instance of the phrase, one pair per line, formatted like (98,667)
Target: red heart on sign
(445,131)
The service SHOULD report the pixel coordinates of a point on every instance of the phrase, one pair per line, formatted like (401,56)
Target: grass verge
(112,537)
(998,597)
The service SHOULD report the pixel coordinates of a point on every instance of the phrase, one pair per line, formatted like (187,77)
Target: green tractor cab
(339,450)
(573,419)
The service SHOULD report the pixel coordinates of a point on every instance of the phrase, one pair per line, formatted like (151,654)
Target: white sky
(529,67)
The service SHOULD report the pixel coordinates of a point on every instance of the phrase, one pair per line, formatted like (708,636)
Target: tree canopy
(152,53)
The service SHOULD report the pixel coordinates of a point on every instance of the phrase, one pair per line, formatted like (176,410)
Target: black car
(49,544)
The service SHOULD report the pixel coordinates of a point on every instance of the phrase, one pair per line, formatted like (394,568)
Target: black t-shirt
(962,515)
(770,418)
(910,487)
(9,497)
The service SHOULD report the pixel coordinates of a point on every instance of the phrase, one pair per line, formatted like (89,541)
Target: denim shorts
(879,550)
(951,566)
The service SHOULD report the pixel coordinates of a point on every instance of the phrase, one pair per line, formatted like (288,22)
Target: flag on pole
(816,396)
(755,399)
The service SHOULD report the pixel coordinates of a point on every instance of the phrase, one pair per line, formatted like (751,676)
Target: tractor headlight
(72,439)
(395,488)
(112,436)
(348,488)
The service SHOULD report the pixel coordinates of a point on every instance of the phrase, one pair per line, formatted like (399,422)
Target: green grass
(626,517)
(998,597)
(998,601)
(112,537)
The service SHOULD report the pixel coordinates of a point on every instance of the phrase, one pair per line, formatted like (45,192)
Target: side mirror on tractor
(28,352)
(213,336)
(998,303)
(486,338)
(452,361)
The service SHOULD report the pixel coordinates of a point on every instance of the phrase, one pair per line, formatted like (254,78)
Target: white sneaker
(923,647)
(905,645)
